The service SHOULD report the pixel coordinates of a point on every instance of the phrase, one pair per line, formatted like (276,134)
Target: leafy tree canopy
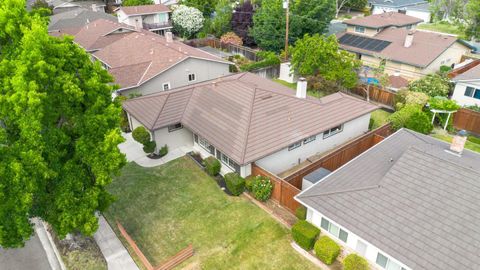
(242,22)
(306,16)
(223,15)
(207,7)
(432,85)
(187,20)
(473,19)
(128,3)
(319,55)
(58,130)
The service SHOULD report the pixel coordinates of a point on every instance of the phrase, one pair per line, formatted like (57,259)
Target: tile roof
(397,82)
(426,46)
(76,18)
(471,74)
(384,20)
(395,3)
(146,9)
(410,198)
(245,116)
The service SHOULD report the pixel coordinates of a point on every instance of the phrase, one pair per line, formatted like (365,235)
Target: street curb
(55,260)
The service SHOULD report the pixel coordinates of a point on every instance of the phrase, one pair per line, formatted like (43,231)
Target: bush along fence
(468,120)
(231,48)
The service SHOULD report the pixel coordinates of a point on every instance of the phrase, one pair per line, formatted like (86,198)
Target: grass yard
(316,94)
(168,207)
(443,27)
(379,118)
(441,135)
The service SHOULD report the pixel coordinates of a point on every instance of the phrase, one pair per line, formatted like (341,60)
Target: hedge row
(305,234)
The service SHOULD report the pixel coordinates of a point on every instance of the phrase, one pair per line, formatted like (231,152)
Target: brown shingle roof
(472,74)
(245,116)
(384,20)
(397,82)
(146,9)
(426,46)
(90,34)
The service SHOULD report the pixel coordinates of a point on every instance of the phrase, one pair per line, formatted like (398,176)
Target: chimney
(169,37)
(408,39)
(301,88)
(458,142)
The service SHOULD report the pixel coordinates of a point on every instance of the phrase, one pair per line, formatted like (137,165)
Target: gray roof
(471,74)
(420,7)
(317,175)
(76,18)
(245,116)
(335,28)
(411,199)
(395,3)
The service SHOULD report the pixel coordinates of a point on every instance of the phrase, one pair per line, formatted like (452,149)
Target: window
(387,263)
(359,29)
(174,127)
(191,77)
(334,229)
(382,260)
(294,145)
(310,139)
(332,131)
(409,27)
(227,161)
(206,145)
(472,92)
(166,86)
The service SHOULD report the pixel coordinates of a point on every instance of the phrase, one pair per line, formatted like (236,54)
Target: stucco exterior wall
(174,139)
(459,93)
(177,76)
(284,159)
(368,31)
(452,55)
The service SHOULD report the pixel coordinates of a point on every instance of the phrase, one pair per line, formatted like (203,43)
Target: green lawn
(443,27)
(168,207)
(379,118)
(311,93)
(448,138)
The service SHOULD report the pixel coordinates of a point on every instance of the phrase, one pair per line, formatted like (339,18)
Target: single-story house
(400,49)
(415,8)
(142,62)
(409,202)
(467,87)
(154,18)
(243,118)
(76,18)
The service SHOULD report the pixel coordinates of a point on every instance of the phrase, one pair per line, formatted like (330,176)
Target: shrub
(474,139)
(249,182)
(411,117)
(268,59)
(212,166)
(432,85)
(326,249)
(149,147)
(262,188)
(355,262)
(445,69)
(301,212)
(231,38)
(141,135)
(235,183)
(163,151)
(305,234)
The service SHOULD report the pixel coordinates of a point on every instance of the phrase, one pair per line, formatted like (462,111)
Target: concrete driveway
(32,256)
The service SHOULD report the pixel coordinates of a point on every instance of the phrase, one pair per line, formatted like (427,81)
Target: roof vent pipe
(301,88)
(408,39)
(458,142)
(169,37)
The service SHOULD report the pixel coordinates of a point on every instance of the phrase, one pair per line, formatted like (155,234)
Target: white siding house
(467,87)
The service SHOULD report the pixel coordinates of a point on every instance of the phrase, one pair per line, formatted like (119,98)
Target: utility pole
(286,7)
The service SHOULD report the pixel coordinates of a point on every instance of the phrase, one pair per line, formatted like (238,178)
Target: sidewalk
(134,152)
(115,253)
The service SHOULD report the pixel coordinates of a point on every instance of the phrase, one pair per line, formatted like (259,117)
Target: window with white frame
(191,77)
(387,263)
(228,161)
(174,127)
(166,86)
(310,139)
(332,131)
(294,145)
(359,29)
(334,229)
(472,92)
(206,145)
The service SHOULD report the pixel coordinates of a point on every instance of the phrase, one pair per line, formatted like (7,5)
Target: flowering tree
(232,38)
(187,20)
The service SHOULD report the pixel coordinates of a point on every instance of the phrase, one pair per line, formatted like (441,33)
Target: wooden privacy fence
(376,94)
(217,44)
(342,155)
(468,120)
(171,263)
(283,192)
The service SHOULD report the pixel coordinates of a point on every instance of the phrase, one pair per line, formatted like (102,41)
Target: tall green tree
(58,130)
(319,55)
(473,19)
(306,17)
(223,14)
(207,7)
(128,3)
(242,22)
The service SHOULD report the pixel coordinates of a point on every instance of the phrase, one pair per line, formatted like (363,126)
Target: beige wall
(452,55)
(368,31)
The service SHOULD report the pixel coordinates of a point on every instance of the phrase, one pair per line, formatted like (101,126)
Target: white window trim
(355,28)
(163,86)
(194,77)
(330,133)
(310,139)
(294,145)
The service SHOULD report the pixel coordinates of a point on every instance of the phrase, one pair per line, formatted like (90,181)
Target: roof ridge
(249,123)
(343,191)
(186,105)
(160,111)
(144,73)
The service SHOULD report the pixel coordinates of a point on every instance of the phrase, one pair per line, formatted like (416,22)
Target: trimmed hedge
(141,135)
(163,151)
(301,212)
(355,262)
(149,147)
(235,183)
(249,182)
(305,234)
(326,249)
(212,166)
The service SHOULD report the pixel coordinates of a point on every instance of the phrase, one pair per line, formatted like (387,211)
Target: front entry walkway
(134,152)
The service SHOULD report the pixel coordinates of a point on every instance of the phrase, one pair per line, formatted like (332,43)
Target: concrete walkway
(115,253)
(134,152)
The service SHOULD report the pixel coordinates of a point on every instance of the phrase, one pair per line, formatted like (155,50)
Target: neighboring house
(60,6)
(142,62)
(396,82)
(467,87)
(243,118)
(76,18)
(408,203)
(390,40)
(415,8)
(154,18)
